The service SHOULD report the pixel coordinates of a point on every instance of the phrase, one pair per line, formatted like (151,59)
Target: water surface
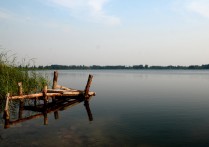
(131,108)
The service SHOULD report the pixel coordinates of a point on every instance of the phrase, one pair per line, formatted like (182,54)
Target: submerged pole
(86,93)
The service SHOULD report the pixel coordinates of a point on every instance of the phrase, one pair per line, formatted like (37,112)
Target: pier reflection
(42,110)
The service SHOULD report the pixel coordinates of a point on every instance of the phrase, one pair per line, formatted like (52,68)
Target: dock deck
(50,96)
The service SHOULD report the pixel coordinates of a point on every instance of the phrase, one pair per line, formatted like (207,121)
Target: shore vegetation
(11,73)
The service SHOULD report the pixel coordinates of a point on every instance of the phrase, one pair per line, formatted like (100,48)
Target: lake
(131,108)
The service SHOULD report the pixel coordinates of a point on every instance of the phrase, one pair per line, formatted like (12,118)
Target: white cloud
(97,5)
(201,7)
(4,14)
(91,10)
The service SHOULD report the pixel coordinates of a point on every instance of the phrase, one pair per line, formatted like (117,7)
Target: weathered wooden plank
(66,93)
(29,96)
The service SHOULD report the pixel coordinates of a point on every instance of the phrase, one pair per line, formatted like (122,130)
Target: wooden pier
(53,99)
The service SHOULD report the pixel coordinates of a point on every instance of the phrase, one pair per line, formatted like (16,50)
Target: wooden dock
(50,97)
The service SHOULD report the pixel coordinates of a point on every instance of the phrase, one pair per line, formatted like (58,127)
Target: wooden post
(20,88)
(45,105)
(21,109)
(88,86)
(55,80)
(54,86)
(35,101)
(6,110)
(20,92)
(45,95)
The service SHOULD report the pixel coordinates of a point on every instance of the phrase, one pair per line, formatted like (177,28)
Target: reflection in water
(43,110)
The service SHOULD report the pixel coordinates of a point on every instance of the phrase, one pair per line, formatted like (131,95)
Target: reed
(11,73)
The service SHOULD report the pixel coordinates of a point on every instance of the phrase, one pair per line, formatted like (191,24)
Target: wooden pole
(86,93)
(20,88)
(54,83)
(55,80)
(45,105)
(45,95)
(20,93)
(6,110)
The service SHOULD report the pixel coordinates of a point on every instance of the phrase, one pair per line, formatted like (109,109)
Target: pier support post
(55,80)
(45,105)
(45,96)
(20,92)
(6,110)
(54,86)
(86,93)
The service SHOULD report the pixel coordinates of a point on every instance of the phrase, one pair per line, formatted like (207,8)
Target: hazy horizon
(107,32)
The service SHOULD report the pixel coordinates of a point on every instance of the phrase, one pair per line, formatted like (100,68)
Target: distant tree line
(109,67)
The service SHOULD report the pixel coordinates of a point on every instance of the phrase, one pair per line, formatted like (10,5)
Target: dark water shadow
(41,110)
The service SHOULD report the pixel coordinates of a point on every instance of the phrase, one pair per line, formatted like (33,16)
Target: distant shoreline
(119,67)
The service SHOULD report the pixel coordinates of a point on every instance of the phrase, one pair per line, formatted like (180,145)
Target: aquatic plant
(11,73)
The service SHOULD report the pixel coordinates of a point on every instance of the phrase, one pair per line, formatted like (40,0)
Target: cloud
(200,7)
(5,14)
(91,10)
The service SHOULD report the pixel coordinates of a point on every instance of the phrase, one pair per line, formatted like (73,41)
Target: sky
(106,32)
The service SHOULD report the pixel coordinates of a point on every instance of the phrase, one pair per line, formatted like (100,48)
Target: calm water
(131,108)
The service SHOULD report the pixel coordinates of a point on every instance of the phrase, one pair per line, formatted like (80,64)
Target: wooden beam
(66,93)
(30,96)
(86,93)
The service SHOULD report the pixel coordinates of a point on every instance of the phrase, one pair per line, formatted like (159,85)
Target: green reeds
(11,74)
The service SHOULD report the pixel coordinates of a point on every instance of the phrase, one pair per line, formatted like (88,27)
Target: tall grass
(11,74)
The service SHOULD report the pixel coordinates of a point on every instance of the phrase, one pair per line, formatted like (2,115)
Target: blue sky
(106,32)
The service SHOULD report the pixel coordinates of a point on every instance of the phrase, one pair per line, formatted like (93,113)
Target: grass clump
(11,74)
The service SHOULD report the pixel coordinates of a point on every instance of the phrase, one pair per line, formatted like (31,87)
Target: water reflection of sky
(148,108)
